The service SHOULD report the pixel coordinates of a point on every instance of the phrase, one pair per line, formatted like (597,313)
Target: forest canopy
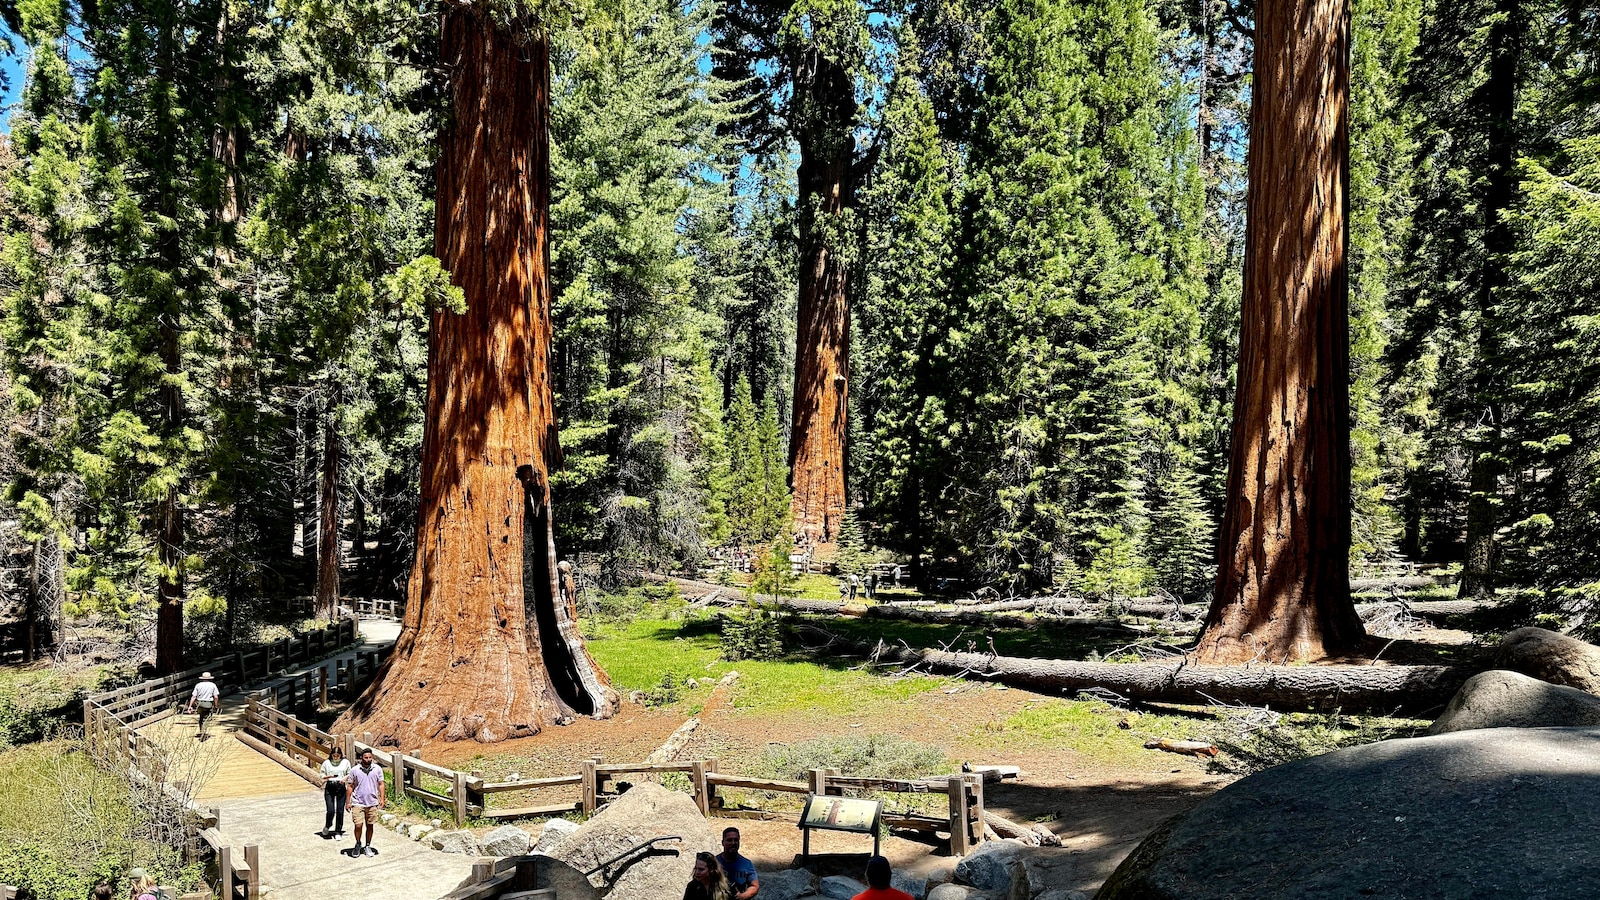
(958,281)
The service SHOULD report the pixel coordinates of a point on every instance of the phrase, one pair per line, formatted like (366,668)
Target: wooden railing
(301,747)
(378,607)
(112,719)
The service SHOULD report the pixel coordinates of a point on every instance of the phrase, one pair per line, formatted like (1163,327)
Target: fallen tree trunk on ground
(1425,608)
(1379,689)
(1392,583)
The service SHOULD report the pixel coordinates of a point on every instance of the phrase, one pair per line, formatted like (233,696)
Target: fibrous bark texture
(1283,590)
(822,332)
(487,651)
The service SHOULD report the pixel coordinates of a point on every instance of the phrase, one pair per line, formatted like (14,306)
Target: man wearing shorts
(366,801)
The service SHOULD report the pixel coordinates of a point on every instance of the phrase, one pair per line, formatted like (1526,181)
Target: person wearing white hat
(208,699)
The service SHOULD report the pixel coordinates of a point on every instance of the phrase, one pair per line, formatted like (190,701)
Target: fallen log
(1033,836)
(1395,582)
(674,744)
(1187,748)
(1425,608)
(1381,689)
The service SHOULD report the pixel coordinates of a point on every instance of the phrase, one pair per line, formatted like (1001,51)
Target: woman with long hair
(709,882)
(335,769)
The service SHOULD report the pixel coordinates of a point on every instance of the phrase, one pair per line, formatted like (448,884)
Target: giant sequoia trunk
(1283,589)
(826,102)
(488,651)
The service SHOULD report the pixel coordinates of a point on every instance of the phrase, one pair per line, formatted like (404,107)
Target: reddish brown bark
(822,333)
(1283,587)
(486,651)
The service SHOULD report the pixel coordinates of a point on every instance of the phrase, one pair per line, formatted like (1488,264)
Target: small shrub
(867,756)
(752,635)
(668,690)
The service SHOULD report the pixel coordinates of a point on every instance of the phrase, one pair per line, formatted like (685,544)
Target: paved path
(263,803)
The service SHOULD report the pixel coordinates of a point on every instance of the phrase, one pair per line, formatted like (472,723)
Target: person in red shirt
(878,876)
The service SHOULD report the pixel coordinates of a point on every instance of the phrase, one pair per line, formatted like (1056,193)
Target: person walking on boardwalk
(335,772)
(742,881)
(879,876)
(365,801)
(207,699)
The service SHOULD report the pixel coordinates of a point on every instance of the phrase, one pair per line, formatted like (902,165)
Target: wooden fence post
(588,799)
(697,774)
(348,744)
(252,858)
(322,687)
(976,785)
(225,872)
(959,843)
(819,782)
(397,773)
(458,793)
(712,802)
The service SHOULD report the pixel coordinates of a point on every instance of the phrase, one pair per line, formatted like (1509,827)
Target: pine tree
(910,209)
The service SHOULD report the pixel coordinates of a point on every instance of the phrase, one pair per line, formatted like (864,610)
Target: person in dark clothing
(708,883)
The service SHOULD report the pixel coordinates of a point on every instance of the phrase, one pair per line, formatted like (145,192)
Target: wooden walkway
(226,768)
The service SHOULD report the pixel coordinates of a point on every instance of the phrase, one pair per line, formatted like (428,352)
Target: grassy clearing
(36,703)
(1090,727)
(640,654)
(68,826)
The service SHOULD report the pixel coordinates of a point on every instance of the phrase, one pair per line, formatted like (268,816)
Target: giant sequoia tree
(490,649)
(1283,588)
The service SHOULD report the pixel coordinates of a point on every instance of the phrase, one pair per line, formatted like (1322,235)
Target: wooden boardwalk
(225,767)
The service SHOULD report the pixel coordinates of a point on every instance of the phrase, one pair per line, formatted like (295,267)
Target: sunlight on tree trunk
(1283,588)
(490,649)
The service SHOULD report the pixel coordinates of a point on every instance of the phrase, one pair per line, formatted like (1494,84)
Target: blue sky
(12,67)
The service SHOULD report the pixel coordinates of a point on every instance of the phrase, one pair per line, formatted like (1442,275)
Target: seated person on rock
(742,881)
(878,877)
(708,882)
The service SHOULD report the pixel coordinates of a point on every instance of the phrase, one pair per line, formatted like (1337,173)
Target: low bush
(755,634)
(866,756)
(68,826)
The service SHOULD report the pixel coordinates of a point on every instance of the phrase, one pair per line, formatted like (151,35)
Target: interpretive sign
(840,814)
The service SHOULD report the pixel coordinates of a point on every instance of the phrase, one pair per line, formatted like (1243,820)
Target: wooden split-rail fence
(112,719)
(301,747)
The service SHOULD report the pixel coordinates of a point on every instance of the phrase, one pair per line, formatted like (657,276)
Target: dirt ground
(1101,809)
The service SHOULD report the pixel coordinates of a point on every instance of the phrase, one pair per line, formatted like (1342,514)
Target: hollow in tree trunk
(822,333)
(487,651)
(1283,587)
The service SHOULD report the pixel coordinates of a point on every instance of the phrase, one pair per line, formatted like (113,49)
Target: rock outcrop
(1504,699)
(1551,657)
(507,840)
(646,811)
(1495,812)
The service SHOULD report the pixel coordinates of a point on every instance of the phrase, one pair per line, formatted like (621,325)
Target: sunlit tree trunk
(488,651)
(822,333)
(1283,589)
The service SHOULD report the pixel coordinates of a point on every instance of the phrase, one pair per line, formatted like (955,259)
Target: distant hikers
(335,773)
(365,801)
(207,699)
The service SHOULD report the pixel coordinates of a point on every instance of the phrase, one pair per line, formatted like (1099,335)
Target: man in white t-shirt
(207,699)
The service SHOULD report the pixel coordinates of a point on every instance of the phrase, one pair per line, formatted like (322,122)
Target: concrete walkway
(263,803)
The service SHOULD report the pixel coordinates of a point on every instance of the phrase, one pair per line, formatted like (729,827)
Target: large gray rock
(507,840)
(916,887)
(840,887)
(988,868)
(644,812)
(1551,657)
(454,842)
(787,884)
(555,831)
(950,892)
(1496,812)
(1049,873)
(1502,699)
